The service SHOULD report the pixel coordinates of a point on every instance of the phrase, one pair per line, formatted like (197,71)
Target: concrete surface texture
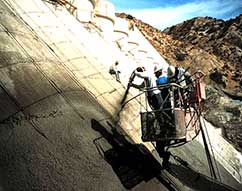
(58,112)
(48,120)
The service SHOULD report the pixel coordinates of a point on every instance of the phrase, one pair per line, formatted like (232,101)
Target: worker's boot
(166,157)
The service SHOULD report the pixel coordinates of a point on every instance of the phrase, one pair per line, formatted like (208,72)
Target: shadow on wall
(1,182)
(132,163)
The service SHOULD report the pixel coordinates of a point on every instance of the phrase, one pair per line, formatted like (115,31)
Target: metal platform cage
(163,125)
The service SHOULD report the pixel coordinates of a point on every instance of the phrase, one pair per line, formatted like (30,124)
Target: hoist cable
(210,162)
(215,162)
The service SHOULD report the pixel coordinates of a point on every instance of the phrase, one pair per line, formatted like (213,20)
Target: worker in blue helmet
(161,81)
(161,76)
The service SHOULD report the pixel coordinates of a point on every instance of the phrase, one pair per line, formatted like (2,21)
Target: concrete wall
(54,54)
(104,14)
(121,34)
(85,10)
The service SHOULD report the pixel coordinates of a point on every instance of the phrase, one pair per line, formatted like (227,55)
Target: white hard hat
(171,71)
(157,68)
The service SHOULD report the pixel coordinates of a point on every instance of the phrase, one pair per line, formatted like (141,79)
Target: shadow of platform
(132,163)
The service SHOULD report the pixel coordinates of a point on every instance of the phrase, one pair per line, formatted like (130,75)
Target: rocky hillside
(220,38)
(215,47)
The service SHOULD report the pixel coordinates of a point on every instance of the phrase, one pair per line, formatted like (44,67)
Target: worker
(183,78)
(179,75)
(161,75)
(161,81)
(114,69)
(153,93)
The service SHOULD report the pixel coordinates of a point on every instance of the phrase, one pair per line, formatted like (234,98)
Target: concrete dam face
(47,118)
(49,121)
(59,108)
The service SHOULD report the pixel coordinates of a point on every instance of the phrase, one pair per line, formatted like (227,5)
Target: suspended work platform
(177,120)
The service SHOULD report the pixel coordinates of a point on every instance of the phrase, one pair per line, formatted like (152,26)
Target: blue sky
(165,13)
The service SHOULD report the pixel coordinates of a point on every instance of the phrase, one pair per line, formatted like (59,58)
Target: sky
(165,13)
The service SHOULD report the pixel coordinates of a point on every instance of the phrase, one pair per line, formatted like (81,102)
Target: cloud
(163,17)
